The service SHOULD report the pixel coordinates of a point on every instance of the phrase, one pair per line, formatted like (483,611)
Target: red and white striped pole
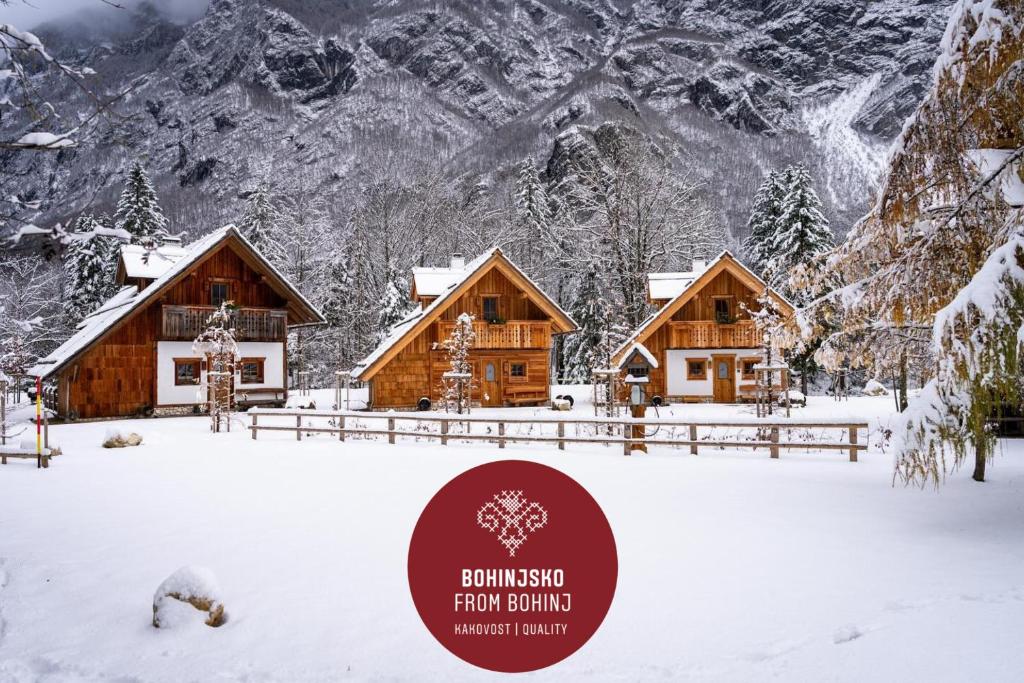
(39,422)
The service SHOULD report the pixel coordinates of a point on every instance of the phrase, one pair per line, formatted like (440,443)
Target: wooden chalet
(701,345)
(511,356)
(133,356)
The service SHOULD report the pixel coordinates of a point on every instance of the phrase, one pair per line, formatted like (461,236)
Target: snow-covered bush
(188,586)
(874,388)
(115,438)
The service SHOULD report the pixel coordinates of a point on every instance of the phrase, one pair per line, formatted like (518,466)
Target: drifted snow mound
(796,398)
(183,592)
(874,388)
(115,438)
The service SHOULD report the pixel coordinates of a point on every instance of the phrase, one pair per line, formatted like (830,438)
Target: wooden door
(723,370)
(490,382)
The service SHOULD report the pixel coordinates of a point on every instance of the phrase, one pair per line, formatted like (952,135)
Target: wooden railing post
(391,430)
(774,448)
(693,438)
(341,428)
(298,428)
(501,435)
(255,421)
(853,443)
(627,436)
(561,436)
(444,432)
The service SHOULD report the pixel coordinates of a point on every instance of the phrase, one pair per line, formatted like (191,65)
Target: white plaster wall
(167,394)
(273,365)
(675,370)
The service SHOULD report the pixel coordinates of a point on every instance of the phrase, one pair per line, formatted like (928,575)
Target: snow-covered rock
(185,591)
(795,398)
(115,438)
(874,388)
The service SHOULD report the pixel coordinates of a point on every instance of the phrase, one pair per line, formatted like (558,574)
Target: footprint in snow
(846,634)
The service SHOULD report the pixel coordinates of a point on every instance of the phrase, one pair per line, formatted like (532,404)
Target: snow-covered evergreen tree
(802,232)
(393,307)
(138,210)
(764,218)
(338,308)
(218,345)
(89,265)
(586,348)
(260,224)
(533,215)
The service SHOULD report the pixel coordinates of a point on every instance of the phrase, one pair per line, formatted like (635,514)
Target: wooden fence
(616,431)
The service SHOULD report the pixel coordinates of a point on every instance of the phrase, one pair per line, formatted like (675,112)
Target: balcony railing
(251,324)
(707,334)
(513,334)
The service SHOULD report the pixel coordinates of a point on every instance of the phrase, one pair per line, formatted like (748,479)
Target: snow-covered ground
(733,566)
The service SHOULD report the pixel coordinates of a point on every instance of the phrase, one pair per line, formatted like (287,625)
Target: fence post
(391,430)
(561,436)
(341,428)
(444,432)
(255,422)
(501,435)
(853,443)
(627,435)
(298,428)
(775,442)
(693,438)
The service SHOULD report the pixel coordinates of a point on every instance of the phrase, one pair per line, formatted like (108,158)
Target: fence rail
(618,430)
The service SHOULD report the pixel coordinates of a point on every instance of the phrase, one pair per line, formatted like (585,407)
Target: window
(723,369)
(219,293)
(638,370)
(696,369)
(723,310)
(186,371)
(489,372)
(491,308)
(252,370)
(748,368)
(517,371)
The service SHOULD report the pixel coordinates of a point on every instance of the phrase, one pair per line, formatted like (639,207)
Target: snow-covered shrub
(874,388)
(115,438)
(796,398)
(183,591)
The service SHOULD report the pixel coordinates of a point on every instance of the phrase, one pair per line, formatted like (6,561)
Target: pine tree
(339,309)
(763,222)
(217,343)
(533,214)
(260,224)
(802,232)
(88,271)
(138,210)
(394,306)
(583,351)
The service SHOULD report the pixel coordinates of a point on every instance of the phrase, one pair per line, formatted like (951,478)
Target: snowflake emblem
(512,517)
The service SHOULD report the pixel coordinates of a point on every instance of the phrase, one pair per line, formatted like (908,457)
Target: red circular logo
(512,566)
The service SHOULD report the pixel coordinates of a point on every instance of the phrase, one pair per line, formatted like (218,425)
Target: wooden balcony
(251,324)
(707,334)
(513,334)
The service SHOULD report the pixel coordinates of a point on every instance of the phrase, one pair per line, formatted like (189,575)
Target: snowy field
(733,566)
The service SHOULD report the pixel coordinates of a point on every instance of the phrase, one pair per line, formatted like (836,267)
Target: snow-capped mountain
(315,92)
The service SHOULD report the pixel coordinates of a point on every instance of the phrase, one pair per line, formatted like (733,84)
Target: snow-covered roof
(129,299)
(457,277)
(643,351)
(140,262)
(435,281)
(661,286)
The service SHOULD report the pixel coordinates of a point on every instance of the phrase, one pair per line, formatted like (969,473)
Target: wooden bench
(260,397)
(526,394)
(23,455)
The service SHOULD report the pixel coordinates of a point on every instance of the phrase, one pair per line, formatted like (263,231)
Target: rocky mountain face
(321,95)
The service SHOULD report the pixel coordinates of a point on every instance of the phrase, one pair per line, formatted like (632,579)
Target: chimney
(458,261)
(700,265)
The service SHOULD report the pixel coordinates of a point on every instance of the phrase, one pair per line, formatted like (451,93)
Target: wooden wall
(702,306)
(513,303)
(117,376)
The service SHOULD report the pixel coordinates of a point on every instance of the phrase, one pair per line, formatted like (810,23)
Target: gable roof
(431,282)
(723,262)
(458,282)
(119,307)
